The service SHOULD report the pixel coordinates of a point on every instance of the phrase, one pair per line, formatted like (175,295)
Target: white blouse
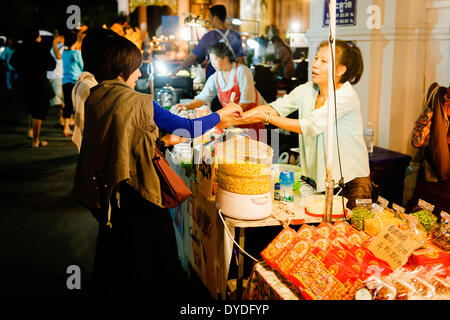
(313,141)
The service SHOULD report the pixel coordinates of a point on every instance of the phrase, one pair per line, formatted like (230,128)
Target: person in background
(72,68)
(310,101)
(11,74)
(32,61)
(283,63)
(136,253)
(230,77)
(220,33)
(55,76)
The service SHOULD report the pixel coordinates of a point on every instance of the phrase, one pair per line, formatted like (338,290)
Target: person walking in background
(55,76)
(283,63)
(72,68)
(32,61)
(11,74)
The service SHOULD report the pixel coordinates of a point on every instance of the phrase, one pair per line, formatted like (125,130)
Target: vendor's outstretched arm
(266,112)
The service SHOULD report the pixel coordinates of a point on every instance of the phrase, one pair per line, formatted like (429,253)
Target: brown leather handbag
(173,189)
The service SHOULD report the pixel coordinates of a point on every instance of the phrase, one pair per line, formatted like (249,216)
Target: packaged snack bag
(326,230)
(362,211)
(424,212)
(289,257)
(276,246)
(429,255)
(379,289)
(341,226)
(441,232)
(307,231)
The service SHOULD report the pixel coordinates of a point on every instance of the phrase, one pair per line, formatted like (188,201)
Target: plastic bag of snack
(399,280)
(441,232)
(276,246)
(424,290)
(360,212)
(381,217)
(307,231)
(424,212)
(341,226)
(326,230)
(292,255)
(379,289)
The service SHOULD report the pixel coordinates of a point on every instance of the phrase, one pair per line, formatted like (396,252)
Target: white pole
(329,183)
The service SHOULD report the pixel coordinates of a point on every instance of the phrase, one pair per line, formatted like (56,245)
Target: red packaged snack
(341,226)
(356,237)
(289,257)
(307,231)
(326,230)
(369,263)
(276,246)
(429,255)
(321,242)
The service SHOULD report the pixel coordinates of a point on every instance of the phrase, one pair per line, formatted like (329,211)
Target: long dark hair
(279,40)
(121,58)
(221,50)
(350,56)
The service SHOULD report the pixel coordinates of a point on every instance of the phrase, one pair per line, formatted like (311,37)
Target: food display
(245,178)
(244,166)
(362,211)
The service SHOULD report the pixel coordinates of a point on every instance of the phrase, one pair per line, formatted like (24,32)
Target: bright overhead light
(253,44)
(236,22)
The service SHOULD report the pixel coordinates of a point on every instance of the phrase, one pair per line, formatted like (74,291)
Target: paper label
(398,208)
(393,246)
(383,202)
(425,205)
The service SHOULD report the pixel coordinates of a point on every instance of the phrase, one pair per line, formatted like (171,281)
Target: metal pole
(329,183)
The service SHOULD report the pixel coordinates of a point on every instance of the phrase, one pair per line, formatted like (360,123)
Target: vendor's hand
(231,110)
(254,116)
(170,140)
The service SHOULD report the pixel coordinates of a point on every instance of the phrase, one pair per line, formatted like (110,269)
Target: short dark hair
(221,50)
(93,48)
(219,11)
(121,58)
(349,56)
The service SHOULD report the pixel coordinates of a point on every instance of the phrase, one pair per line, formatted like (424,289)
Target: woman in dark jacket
(136,253)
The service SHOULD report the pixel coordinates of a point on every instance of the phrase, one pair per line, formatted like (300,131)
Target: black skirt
(137,257)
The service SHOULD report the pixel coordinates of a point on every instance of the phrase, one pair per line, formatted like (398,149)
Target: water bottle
(369,133)
(287,186)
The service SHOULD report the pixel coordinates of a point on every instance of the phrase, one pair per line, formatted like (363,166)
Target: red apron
(224,98)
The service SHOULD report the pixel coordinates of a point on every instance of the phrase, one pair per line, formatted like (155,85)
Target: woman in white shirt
(230,77)
(310,99)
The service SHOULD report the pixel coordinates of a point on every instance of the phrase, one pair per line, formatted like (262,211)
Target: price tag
(383,202)
(398,208)
(393,246)
(425,205)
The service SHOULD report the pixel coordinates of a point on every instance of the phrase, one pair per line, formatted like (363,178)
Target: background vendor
(230,77)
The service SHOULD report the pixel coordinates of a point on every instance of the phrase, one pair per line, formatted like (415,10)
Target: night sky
(19,15)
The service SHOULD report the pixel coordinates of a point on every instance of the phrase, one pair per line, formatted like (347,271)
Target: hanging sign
(345,13)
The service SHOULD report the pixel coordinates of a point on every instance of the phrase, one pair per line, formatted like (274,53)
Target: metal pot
(167,96)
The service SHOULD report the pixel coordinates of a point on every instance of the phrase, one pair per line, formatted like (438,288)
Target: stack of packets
(327,262)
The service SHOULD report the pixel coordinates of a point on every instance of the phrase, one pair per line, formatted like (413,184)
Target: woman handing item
(229,78)
(310,99)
